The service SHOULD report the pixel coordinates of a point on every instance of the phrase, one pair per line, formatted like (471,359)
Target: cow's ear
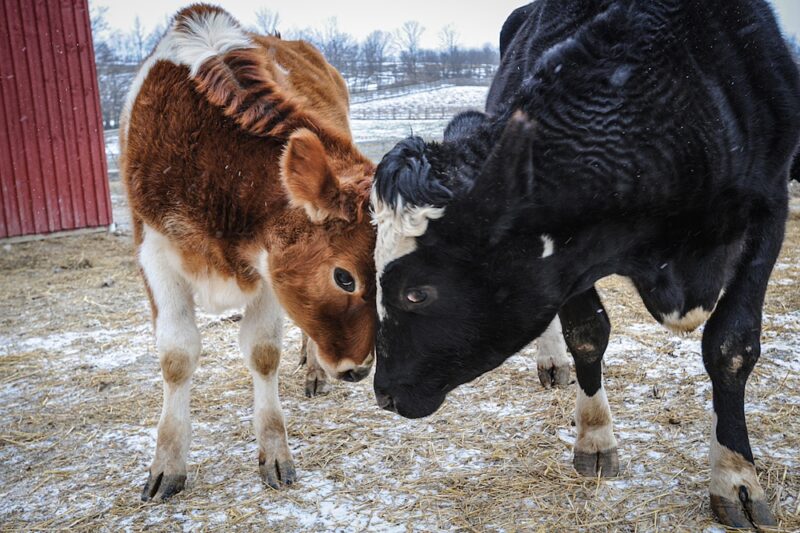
(309,179)
(464,125)
(506,179)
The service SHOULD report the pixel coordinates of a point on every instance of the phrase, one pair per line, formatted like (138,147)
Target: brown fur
(594,417)
(265,359)
(202,165)
(176,366)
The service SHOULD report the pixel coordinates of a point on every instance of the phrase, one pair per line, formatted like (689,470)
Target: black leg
(731,347)
(586,329)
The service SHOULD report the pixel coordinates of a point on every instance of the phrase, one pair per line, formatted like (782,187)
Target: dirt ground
(80,395)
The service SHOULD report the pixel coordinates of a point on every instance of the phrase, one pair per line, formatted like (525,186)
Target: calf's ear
(309,179)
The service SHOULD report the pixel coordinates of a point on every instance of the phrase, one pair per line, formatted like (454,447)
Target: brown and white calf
(246,192)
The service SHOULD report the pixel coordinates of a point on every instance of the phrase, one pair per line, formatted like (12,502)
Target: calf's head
(322,263)
(462,284)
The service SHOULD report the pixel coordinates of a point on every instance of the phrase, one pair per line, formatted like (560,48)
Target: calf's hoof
(316,384)
(745,513)
(551,374)
(162,486)
(593,464)
(275,472)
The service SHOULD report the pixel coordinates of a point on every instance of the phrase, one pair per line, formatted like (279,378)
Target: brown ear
(309,179)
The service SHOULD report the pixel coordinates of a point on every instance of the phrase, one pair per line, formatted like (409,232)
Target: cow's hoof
(162,487)
(593,464)
(316,384)
(552,374)
(744,513)
(276,473)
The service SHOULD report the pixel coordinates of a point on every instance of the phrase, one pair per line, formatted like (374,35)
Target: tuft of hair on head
(403,177)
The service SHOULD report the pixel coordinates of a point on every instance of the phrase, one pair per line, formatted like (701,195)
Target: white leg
(552,360)
(316,378)
(596,447)
(260,340)
(178,344)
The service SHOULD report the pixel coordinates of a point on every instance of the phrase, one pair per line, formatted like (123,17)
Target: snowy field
(80,390)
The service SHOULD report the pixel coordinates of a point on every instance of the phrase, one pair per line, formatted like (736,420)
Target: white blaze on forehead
(398,228)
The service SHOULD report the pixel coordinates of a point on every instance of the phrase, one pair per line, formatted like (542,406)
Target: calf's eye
(416,296)
(344,279)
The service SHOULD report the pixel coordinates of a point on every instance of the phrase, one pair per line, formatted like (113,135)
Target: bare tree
(451,55)
(408,38)
(267,21)
(137,41)
(375,51)
(338,47)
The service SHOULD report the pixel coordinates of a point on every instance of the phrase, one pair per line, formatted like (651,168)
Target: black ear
(404,174)
(464,125)
(506,180)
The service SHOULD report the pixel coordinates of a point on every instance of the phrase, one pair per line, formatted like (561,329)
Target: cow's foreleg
(731,347)
(586,330)
(260,340)
(178,344)
(316,378)
(552,361)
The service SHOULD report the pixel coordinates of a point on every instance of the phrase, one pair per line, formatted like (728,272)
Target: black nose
(355,374)
(385,402)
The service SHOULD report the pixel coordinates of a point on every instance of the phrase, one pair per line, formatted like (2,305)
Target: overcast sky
(476,22)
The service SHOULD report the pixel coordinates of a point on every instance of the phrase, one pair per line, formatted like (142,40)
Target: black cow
(646,138)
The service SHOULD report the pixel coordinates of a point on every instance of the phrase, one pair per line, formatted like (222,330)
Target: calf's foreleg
(260,339)
(316,378)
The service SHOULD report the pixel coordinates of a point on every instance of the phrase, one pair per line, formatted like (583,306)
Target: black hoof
(162,487)
(277,473)
(593,464)
(743,513)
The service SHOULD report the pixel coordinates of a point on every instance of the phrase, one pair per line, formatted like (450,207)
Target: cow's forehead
(398,227)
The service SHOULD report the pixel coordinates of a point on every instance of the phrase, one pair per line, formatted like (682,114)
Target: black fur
(658,142)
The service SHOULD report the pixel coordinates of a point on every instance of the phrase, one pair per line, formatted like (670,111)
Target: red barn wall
(53,174)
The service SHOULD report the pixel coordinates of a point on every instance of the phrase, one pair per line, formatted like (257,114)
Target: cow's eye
(416,296)
(344,279)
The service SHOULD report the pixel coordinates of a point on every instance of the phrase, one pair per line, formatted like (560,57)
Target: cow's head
(458,291)
(322,264)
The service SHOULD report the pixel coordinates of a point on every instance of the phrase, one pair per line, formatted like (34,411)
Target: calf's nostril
(350,376)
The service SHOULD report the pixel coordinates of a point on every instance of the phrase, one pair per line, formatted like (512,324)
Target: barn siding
(53,174)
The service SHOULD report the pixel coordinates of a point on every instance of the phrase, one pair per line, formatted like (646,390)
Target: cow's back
(675,104)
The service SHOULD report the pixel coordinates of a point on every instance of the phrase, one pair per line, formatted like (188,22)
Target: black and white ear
(463,125)
(404,177)
(506,179)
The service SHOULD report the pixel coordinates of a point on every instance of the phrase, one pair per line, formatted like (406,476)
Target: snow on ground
(80,396)
(451,99)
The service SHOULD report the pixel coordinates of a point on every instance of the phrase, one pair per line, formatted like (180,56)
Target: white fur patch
(212,292)
(593,438)
(686,323)
(730,470)
(209,34)
(398,229)
(548,244)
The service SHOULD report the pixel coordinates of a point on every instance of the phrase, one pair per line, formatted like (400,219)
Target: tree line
(384,59)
